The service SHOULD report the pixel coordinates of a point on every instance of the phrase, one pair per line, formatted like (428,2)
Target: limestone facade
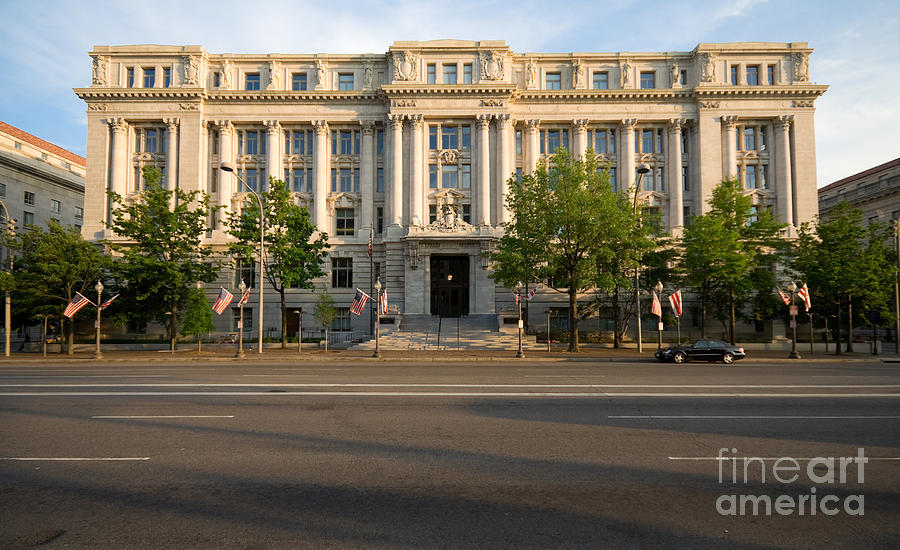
(875,191)
(416,145)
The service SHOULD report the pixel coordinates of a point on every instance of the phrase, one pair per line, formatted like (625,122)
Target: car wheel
(679,358)
(728,358)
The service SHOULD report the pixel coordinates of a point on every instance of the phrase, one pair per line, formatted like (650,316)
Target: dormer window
(449,74)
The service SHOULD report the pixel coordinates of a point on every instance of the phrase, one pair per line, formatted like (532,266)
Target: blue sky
(44,45)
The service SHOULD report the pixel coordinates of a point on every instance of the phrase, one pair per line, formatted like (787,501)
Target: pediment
(343,200)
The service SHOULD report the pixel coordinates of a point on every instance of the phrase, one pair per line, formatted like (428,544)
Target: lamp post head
(226,166)
(98,287)
(242,287)
(658,287)
(378,284)
(791,286)
(643,168)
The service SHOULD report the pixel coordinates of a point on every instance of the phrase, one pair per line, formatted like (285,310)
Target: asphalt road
(358,454)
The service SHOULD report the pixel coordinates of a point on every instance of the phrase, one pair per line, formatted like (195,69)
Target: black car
(702,350)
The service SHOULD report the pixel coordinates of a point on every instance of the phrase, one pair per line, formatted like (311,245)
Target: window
(131,77)
(449,74)
(298,81)
(344,218)
(466,176)
(379,180)
(432,138)
(432,73)
(750,177)
(151,144)
(149,78)
(601,80)
(449,137)
(467,213)
(518,142)
(686,214)
(466,132)
(753,216)
(212,223)
(763,176)
(432,213)
(379,138)
(342,272)
(341,321)
(54,206)
(251,81)
(648,80)
(345,81)
(770,74)
(554,81)
(551,140)
(604,142)
(245,270)
(449,176)
(28,219)
(685,182)
(251,143)
(379,220)
(29,198)
(647,139)
(753,75)
(749,139)
(467,73)
(683,80)
(612,176)
(2,189)
(236,318)
(167,77)
(734,75)
(217,79)
(214,181)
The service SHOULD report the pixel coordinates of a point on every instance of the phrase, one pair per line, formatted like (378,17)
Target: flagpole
(371,280)
(810,332)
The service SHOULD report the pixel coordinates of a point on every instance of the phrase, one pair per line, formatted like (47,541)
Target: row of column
(120,153)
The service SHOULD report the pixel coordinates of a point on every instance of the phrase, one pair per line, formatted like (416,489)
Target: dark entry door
(450,286)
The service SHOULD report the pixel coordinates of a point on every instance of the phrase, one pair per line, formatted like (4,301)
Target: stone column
(416,180)
(227,180)
(627,172)
(274,164)
(394,191)
(320,175)
(580,132)
(367,177)
(484,171)
(171,153)
(730,146)
(673,162)
(532,151)
(784,191)
(504,134)
(118,170)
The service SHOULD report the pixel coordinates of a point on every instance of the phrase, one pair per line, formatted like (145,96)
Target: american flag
(530,295)
(245,297)
(384,303)
(77,303)
(370,243)
(359,302)
(803,293)
(655,308)
(105,304)
(784,297)
(675,302)
(222,301)
(517,297)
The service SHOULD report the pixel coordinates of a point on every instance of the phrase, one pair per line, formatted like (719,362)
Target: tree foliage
(325,312)
(163,258)
(294,251)
(198,315)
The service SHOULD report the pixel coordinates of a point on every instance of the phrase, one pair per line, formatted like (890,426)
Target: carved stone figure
(673,72)
(406,66)
(369,76)
(577,74)
(530,73)
(491,65)
(320,74)
(191,70)
(101,71)
(625,71)
(225,82)
(273,76)
(801,67)
(707,67)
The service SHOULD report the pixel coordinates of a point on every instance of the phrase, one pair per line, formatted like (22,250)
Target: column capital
(320,127)
(272,126)
(417,122)
(368,127)
(224,126)
(532,124)
(728,121)
(783,122)
(580,125)
(676,124)
(484,121)
(171,123)
(117,124)
(503,119)
(627,124)
(396,121)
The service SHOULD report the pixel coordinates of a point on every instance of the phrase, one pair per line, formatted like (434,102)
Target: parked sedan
(702,350)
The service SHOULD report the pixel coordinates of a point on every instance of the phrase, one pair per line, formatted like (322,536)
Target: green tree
(325,312)
(51,267)
(723,248)
(845,263)
(294,252)
(198,316)
(564,216)
(162,256)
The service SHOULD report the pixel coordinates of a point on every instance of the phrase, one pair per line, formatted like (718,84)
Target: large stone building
(875,191)
(418,143)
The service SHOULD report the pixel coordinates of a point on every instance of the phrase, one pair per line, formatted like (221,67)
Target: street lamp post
(99,288)
(227,167)
(659,289)
(641,170)
(520,353)
(792,288)
(896,225)
(299,313)
(377,352)
(7,315)
(240,352)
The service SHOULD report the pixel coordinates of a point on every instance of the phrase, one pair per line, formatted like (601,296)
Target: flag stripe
(675,302)
(222,301)
(359,302)
(655,308)
(76,304)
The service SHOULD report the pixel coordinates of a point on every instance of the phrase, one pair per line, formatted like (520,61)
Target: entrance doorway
(450,286)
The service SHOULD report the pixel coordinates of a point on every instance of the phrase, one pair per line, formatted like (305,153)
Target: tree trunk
(573,324)
(283,321)
(174,326)
(326,339)
(849,323)
(70,341)
(616,322)
(731,308)
(703,300)
(837,328)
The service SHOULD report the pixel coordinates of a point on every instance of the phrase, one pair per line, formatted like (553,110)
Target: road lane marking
(408,385)
(442,394)
(160,416)
(729,417)
(75,459)
(728,458)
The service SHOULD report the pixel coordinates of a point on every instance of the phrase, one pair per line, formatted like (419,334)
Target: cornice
(290,96)
(405,90)
(794,91)
(140,93)
(602,95)
(76,183)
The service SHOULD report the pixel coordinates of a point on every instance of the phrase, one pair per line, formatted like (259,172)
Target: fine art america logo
(825,477)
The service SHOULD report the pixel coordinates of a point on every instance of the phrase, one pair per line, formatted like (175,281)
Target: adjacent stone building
(416,145)
(875,191)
